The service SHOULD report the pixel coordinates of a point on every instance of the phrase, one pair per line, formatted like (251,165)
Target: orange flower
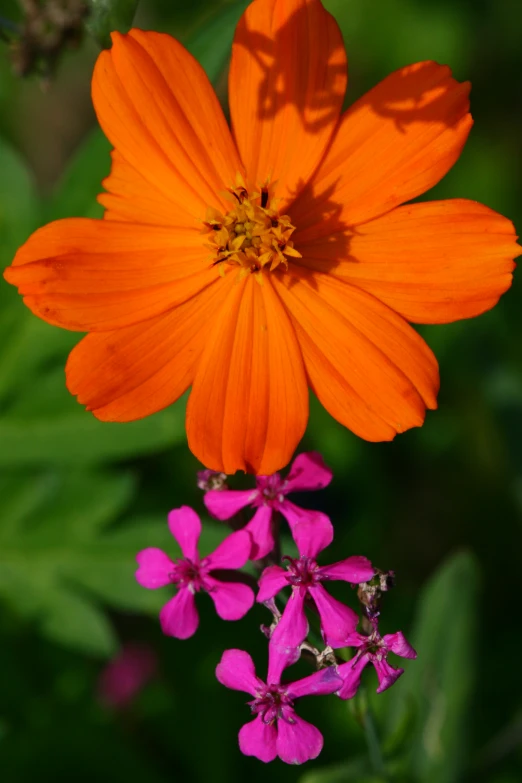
(254,264)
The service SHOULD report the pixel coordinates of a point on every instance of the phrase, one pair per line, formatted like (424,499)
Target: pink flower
(305,576)
(125,676)
(189,574)
(374,649)
(276,730)
(308,472)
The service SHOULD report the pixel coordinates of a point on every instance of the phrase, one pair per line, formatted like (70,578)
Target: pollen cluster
(252,235)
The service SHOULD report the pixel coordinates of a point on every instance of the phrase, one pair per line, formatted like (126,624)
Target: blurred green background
(442,505)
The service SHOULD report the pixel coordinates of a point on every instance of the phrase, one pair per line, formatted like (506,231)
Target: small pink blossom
(307,472)
(276,729)
(305,576)
(190,574)
(374,649)
(126,674)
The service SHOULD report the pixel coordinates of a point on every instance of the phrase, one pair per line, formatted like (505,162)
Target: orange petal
(367,366)
(249,402)
(131,197)
(286,88)
(432,263)
(157,107)
(133,372)
(93,275)
(394,143)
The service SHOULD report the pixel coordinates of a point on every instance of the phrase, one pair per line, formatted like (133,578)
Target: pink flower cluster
(276,729)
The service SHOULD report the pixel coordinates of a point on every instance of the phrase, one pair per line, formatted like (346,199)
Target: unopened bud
(370,593)
(212,479)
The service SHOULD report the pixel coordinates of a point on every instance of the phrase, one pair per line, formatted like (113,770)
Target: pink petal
(355,639)
(231,599)
(350,673)
(355,569)
(185,526)
(399,645)
(308,471)
(279,660)
(387,674)
(288,634)
(233,552)
(179,616)
(298,741)
(223,505)
(272,580)
(258,739)
(313,535)
(154,568)
(338,621)
(316,684)
(236,670)
(260,529)
(312,530)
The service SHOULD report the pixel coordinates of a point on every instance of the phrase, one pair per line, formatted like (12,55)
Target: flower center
(272,703)
(375,647)
(302,572)
(252,235)
(271,488)
(186,574)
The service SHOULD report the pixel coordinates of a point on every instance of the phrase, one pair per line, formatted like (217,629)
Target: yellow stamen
(252,235)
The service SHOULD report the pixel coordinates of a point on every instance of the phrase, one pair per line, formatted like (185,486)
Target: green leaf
(108,571)
(80,439)
(19,207)
(75,622)
(437,687)
(45,425)
(211,43)
(19,504)
(108,15)
(59,555)
(41,422)
(75,195)
(48,524)
(108,496)
(28,344)
(54,508)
